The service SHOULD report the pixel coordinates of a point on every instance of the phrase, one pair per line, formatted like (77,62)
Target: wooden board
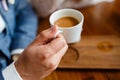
(93,52)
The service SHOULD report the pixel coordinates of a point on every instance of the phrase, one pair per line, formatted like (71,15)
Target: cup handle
(59,31)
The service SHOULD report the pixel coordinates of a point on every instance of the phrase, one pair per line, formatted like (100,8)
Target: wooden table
(99,48)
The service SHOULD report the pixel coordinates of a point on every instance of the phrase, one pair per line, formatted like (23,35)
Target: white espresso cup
(71,34)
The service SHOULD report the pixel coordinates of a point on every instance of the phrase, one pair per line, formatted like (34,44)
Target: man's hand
(42,56)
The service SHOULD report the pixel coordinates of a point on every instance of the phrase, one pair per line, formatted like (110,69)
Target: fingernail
(54,28)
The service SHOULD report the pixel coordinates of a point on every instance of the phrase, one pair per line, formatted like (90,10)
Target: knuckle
(50,65)
(45,56)
(47,53)
(63,42)
(43,34)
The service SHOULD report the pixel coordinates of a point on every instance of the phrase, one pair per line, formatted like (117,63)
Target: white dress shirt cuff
(17,51)
(11,73)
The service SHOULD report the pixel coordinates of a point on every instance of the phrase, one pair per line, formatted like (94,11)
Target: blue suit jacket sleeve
(26,25)
(1,77)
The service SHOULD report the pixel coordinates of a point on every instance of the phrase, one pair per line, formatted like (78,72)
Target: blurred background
(97,55)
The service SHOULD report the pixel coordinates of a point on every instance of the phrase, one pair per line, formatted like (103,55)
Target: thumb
(46,36)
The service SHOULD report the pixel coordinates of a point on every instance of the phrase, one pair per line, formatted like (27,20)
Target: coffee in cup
(70,22)
(66,22)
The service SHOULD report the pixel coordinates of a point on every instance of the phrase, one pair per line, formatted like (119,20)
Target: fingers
(50,47)
(57,44)
(52,62)
(46,35)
